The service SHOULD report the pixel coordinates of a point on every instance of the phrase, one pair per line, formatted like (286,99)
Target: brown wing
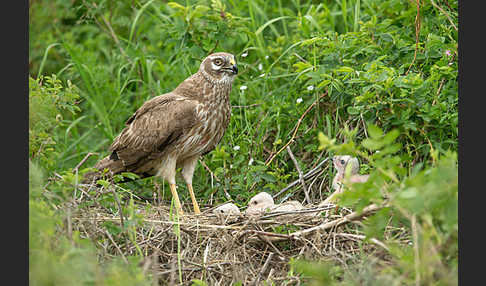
(153,127)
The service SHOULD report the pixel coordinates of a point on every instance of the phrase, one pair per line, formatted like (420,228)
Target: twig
(121,214)
(69,223)
(83,161)
(417,31)
(267,241)
(296,129)
(438,91)
(306,176)
(264,268)
(416,250)
(115,38)
(271,234)
(447,15)
(213,49)
(116,246)
(114,219)
(303,211)
(227,195)
(209,170)
(335,223)
(362,237)
(301,176)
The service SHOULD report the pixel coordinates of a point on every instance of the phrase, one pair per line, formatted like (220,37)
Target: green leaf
(104,183)
(130,175)
(268,177)
(324,141)
(374,131)
(300,66)
(197,282)
(345,69)
(371,144)
(390,136)
(353,110)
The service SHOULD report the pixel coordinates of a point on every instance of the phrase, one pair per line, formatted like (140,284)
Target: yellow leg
(193,198)
(176,198)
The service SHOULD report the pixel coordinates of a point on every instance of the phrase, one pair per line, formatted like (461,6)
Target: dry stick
(264,268)
(335,223)
(69,224)
(438,91)
(307,210)
(416,250)
(315,179)
(306,176)
(115,38)
(272,234)
(267,241)
(114,219)
(228,196)
(447,15)
(116,246)
(301,177)
(417,31)
(83,161)
(362,237)
(296,128)
(76,171)
(121,214)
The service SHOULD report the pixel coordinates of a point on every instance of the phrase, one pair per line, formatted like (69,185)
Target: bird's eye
(342,162)
(218,62)
(255,202)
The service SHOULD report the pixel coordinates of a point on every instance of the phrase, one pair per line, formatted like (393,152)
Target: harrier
(173,130)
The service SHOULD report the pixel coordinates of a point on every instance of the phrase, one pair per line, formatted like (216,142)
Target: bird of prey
(173,130)
(340,163)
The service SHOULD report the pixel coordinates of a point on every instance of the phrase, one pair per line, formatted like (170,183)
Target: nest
(223,250)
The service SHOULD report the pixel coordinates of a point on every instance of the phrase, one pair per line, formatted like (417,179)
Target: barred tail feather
(114,167)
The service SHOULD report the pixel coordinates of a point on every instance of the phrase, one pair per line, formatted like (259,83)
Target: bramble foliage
(424,199)
(92,63)
(60,260)
(49,103)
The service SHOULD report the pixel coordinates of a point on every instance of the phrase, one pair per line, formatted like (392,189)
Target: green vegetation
(384,81)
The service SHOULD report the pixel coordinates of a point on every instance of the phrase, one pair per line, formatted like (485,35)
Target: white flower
(250,162)
(266,57)
(236,148)
(231,166)
(243,87)
(262,75)
(299,100)
(310,87)
(244,55)
(260,66)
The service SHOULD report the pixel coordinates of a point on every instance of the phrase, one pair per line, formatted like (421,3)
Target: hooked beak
(234,69)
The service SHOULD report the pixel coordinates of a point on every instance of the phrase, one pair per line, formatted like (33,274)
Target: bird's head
(260,203)
(340,162)
(220,67)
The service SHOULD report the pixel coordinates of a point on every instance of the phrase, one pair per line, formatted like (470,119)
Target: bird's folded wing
(155,125)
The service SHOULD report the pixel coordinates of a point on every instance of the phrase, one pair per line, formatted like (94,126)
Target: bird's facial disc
(224,65)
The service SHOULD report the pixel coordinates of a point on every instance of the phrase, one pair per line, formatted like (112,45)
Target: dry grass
(223,250)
